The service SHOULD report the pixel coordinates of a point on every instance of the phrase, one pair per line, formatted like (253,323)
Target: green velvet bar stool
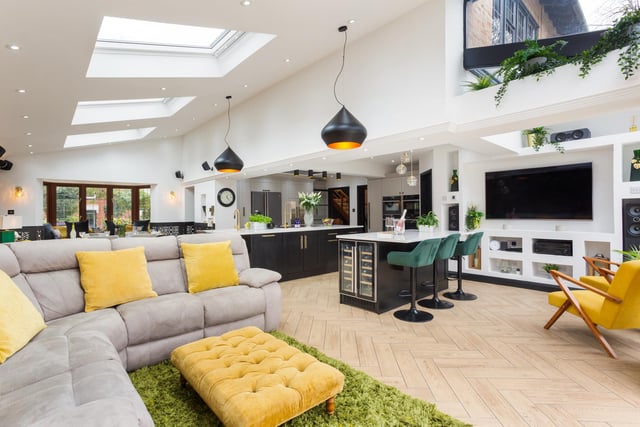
(466,247)
(445,251)
(421,256)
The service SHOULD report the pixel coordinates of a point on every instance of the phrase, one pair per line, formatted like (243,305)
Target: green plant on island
(549,267)
(260,218)
(533,59)
(309,201)
(430,219)
(630,255)
(472,218)
(539,136)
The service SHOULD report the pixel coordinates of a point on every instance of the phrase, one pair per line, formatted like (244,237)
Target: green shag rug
(363,402)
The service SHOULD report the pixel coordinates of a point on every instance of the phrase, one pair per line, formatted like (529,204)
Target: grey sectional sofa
(73,373)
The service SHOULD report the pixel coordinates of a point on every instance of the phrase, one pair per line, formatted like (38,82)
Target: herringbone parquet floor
(487,362)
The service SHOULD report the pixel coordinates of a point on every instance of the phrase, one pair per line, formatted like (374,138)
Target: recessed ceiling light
(245,85)
(30,145)
(25,117)
(421,138)
(393,160)
(352,21)
(246,3)
(30,152)
(287,60)
(13,47)
(366,149)
(163,88)
(128,125)
(21,91)
(28,134)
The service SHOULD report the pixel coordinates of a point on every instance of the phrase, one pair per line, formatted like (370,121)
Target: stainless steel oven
(391,206)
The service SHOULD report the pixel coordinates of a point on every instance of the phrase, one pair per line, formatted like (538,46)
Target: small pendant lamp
(228,161)
(344,131)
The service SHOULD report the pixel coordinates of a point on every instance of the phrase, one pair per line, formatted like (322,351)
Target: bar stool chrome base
(413,315)
(460,295)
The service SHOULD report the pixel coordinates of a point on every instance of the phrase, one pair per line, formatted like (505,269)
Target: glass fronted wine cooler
(357,269)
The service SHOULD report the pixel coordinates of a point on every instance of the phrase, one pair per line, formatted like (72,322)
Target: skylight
(132,48)
(85,139)
(125,30)
(105,111)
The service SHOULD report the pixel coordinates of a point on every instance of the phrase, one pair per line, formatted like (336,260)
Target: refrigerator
(267,203)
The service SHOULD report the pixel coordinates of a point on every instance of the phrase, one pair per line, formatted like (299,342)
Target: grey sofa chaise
(74,372)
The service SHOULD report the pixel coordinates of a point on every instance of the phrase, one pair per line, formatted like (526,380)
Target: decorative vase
(454,181)
(635,166)
(308,218)
(72,233)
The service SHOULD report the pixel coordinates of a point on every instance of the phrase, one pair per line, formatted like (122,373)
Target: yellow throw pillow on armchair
(19,319)
(209,265)
(114,277)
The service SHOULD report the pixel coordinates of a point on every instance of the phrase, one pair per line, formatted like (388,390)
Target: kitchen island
(369,282)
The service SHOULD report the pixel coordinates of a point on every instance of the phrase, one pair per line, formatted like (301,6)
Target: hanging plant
(534,59)
(624,35)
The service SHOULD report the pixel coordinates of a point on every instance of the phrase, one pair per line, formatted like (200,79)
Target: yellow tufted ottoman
(250,378)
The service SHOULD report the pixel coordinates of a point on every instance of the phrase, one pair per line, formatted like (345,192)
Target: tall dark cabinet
(267,203)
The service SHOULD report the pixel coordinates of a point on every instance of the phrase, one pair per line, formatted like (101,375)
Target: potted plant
(534,59)
(482,82)
(259,222)
(632,254)
(549,267)
(472,218)
(309,202)
(538,136)
(624,35)
(427,222)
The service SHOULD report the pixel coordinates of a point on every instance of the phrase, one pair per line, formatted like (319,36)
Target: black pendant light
(344,131)
(228,161)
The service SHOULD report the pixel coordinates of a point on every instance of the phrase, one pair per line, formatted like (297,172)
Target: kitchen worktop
(320,227)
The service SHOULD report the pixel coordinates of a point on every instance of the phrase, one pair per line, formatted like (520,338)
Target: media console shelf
(522,254)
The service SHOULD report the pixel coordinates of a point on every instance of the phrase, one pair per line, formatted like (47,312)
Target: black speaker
(630,223)
(205,166)
(571,135)
(179,175)
(5,165)
(454,218)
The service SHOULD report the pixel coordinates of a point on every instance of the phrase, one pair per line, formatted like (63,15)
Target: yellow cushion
(19,319)
(114,277)
(250,378)
(209,265)
(599,282)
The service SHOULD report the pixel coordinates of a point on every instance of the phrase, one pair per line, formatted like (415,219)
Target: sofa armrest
(258,277)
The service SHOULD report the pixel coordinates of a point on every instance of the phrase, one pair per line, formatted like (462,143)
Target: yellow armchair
(616,308)
(605,274)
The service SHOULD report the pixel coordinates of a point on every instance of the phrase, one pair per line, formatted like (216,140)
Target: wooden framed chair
(616,308)
(605,274)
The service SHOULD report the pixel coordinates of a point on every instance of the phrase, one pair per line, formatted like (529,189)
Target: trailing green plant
(472,217)
(260,218)
(522,63)
(429,219)
(549,267)
(540,137)
(632,254)
(482,82)
(624,35)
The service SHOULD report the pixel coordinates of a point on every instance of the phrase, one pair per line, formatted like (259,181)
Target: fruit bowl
(327,221)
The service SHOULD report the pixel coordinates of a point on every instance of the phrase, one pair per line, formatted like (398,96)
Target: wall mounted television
(552,192)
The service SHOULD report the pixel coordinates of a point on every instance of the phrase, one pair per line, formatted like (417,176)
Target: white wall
(152,162)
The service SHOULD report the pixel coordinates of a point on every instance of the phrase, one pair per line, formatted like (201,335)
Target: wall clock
(226,197)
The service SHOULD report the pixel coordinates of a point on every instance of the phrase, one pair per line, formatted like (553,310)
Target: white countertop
(409,236)
(244,231)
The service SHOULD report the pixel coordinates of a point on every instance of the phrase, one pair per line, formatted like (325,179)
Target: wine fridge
(357,269)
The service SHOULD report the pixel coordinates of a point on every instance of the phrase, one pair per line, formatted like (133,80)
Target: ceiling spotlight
(21,91)
(246,3)
(13,47)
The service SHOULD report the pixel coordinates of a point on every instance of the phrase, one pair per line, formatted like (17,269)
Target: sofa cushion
(74,378)
(209,266)
(161,317)
(225,305)
(19,319)
(114,277)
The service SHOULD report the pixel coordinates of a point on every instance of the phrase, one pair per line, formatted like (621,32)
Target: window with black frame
(494,29)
